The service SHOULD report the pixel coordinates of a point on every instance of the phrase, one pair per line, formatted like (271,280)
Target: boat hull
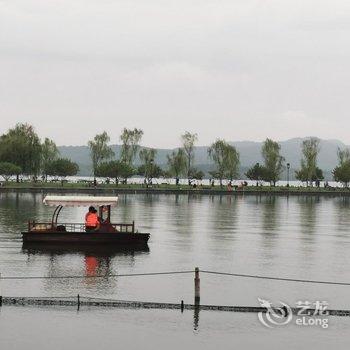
(101,250)
(83,238)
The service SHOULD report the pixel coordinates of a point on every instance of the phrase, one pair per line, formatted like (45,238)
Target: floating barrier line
(275,278)
(124,304)
(97,276)
(61,299)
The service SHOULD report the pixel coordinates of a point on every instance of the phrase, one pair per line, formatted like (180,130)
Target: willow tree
(21,146)
(148,168)
(273,161)
(226,160)
(49,153)
(99,150)
(130,144)
(188,141)
(309,171)
(176,164)
(343,156)
(232,161)
(341,173)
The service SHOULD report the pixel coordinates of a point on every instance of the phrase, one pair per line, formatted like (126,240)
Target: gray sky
(234,69)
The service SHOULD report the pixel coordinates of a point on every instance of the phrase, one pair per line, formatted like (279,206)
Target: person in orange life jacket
(92,222)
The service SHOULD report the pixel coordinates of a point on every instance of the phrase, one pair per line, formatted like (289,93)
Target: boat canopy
(79,201)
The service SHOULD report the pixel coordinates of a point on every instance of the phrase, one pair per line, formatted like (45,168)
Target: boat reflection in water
(96,259)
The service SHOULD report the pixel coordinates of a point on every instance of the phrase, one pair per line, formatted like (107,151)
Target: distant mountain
(250,153)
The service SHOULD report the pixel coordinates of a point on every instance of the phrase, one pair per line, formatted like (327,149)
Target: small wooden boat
(122,234)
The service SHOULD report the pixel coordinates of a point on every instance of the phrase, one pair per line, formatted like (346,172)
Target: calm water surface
(296,237)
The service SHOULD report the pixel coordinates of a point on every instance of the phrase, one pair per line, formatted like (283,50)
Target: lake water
(295,237)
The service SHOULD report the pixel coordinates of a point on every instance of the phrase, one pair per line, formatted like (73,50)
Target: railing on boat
(75,227)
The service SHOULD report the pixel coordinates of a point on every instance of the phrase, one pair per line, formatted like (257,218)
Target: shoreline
(339,192)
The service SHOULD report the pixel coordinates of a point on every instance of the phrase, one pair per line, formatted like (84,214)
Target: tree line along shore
(24,155)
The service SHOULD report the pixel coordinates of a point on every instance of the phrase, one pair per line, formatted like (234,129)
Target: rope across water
(285,279)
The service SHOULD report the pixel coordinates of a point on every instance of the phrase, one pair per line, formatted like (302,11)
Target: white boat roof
(79,201)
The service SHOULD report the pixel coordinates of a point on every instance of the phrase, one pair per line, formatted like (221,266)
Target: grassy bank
(167,188)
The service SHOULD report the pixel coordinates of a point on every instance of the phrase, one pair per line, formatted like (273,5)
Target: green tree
(303,175)
(130,144)
(176,164)
(99,150)
(232,163)
(255,173)
(49,152)
(218,153)
(226,160)
(115,169)
(273,161)
(341,173)
(149,169)
(127,171)
(21,146)
(308,171)
(62,167)
(8,169)
(188,141)
(150,172)
(343,156)
(196,174)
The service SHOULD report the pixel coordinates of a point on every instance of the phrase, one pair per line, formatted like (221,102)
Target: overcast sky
(234,69)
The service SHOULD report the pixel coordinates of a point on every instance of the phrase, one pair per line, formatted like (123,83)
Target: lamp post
(288,167)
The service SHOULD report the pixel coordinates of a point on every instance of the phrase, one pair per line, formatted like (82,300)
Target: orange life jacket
(91,220)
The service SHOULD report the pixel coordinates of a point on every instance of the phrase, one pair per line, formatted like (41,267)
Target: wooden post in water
(0,292)
(78,302)
(197,295)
